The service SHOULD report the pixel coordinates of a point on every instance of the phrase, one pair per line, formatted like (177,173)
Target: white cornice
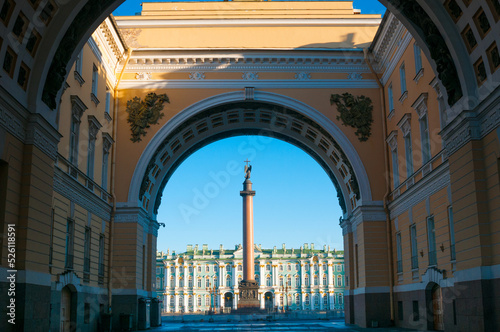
(321,22)
(401,48)
(241,84)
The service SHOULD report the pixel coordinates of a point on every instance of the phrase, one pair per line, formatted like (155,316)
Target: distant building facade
(292,279)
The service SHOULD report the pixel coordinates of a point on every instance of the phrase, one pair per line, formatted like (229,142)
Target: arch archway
(266,114)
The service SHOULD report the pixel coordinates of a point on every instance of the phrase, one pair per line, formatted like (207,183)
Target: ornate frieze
(405,124)
(143,76)
(303,76)
(250,76)
(392,140)
(197,76)
(355,76)
(420,105)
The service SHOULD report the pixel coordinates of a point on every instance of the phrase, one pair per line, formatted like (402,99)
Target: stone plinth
(249,297)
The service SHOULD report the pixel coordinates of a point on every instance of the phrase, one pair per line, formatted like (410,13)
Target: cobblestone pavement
(317,325)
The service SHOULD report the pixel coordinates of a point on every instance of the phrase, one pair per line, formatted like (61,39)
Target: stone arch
(266,114)
(428,23)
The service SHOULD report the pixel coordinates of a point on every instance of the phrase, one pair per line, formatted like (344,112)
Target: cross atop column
(247,161)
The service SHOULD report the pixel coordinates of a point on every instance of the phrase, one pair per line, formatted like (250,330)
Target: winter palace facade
(290,279)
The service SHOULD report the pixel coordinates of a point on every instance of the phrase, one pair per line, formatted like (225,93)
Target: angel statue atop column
(248,169)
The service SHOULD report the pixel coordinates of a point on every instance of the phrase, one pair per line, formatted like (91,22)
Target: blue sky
(130,7)
(295,201)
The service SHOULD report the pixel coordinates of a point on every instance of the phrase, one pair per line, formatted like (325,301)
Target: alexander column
(249,288)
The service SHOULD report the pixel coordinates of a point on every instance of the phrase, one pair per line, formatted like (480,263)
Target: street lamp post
(284,290)
(213,292)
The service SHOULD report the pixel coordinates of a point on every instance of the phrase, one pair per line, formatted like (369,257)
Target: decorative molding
(197,76)
(302,76)
(419,75)
(250,76)
(355,76)
(94,127)
(143,76)
(436,180)
(420,105)
(374,211)
(391,114)
(37,135)
(107,142)
(392,140)
(77,107)
(403,97)
(73,190)
(249,93)
(405,124)
(472,125)
(242,83)
(277,22)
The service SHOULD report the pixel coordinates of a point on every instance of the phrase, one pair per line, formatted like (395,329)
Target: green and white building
(296,279)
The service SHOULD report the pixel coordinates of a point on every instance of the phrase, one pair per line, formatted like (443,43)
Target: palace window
(95,80)
(339,281)
(94,127)
(297,281)
(172,301)
(281,267)
(78,68)
(306,281)
(199,283)
(86,254)
(107,107)
(325,266)
(316,299)
(268,267)
(399,253)
(228,281)
(325,281)
(107,142)
(190,282)
(257,278)
(199,301)
(240,267)
(207,268)
(216,282)
(408,154)
(418,58)
(402,78)
(306,300)
(297,267)
(307,267)
(316,267)
(199,268)
(424,136)
(181,269)
(289,281)
(452,233)
(395,167)
(239,279)
(339,268)
(281,281)
(228,268)
(172,269)
(316,280)
(181,300)
(77,109)
(207,300)
(341,298)
(181,282)
(390,98)
(325,299)
(100,272)
(207,282)
(414,249)
(190,269)
(70,235)
(268,280)
(297,299)
(172,280)
(431,238)
(289,267)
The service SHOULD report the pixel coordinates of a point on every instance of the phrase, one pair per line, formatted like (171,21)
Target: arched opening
(268,301)
(228,300)
(434,301)
(68,309)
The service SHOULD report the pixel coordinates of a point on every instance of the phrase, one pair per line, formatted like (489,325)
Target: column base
(249,297)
